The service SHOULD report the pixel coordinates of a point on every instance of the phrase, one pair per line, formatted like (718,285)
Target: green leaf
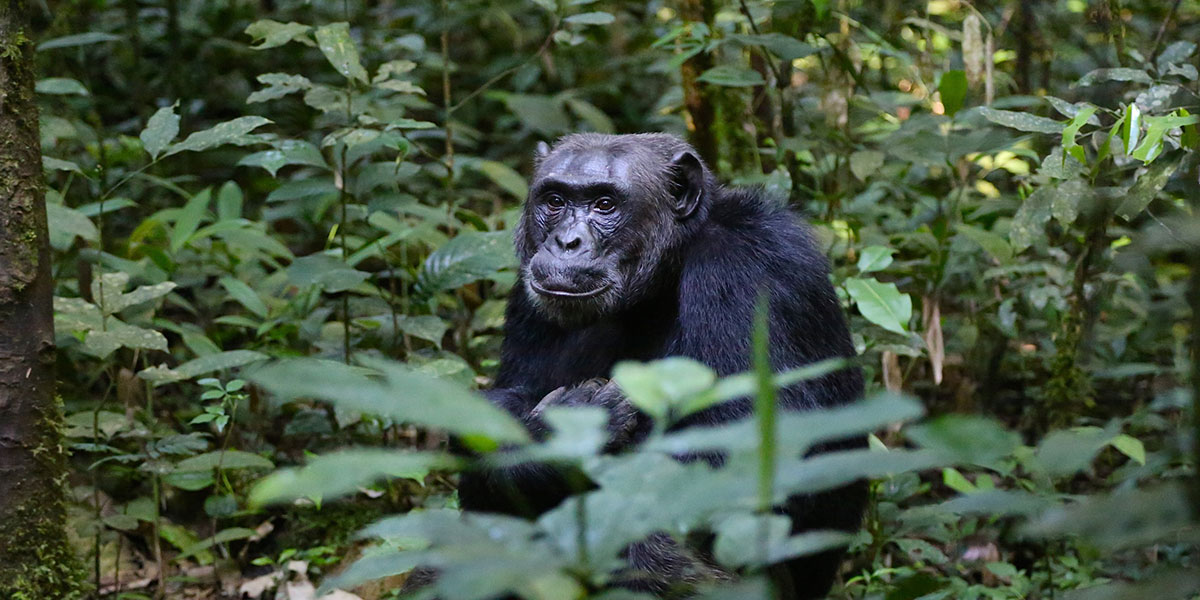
(426,327)
(875,258)
(590,18)
(236,132)
(785,47)
(101,343)
(1021,121)
(504,176)
(270,34)
(335,475)
(992,243)
(60,86)
(732,76)
(285,153)
(1067,452)
(1117,74)
(1068,195)
(865,163)
(953,91)
(467,258)
(79,39)
(245,296)
(965,439)
(326,271)
(955,481)
(162,127)
(278,85)
(49,163)
(1069,145)
(1125,518)
(594,117)
(1148,185)
(403,396)
(335,43)
(66,224)
(1131,447)
(1031,218)
(881,303)
(542,114)
(225,535)
(189,219)
(656,386)
(227,460)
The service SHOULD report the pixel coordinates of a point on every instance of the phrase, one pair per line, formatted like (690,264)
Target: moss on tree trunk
(36,560)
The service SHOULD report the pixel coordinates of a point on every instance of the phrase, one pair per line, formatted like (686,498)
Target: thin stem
(446,92)
(1162,30)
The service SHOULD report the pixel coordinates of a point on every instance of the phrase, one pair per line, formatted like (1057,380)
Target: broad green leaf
(875,258)
(964,439)
(278,85)
(286,152)
(467,258)
(60,86)
(335,43)
(992,243)
(590,18)
(881,303)
(505,177)
(118,334)
(66,224)
(594,117)
(542,114)
(143,293)
(326,271)
(1115,74)
(654,387)
(1066,452)
(270,34)
(188,220)
(49,163)
(1069,145)
(1021,121)
(245,295)
(741,542)
(953,91)
(205,364)
(1125,518)
(162,127)
(426,327)
(1068,195)
(403,396)
(79,39)
(236,132)
(865,163)
(1031,218)
(1131,447)
(225,535)
(1148,185)
(954,480)
(786,47)
(334,475)
(225,459)
(732,76)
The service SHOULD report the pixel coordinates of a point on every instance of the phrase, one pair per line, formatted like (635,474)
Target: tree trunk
(36,560)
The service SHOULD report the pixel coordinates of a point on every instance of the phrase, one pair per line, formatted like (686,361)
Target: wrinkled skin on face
(602,221)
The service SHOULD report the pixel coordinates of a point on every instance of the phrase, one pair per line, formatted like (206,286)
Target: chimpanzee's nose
(568,241)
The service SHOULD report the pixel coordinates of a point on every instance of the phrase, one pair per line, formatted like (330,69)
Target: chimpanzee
(631,250)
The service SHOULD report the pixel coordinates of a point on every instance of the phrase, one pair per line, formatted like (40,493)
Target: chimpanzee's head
(605,214)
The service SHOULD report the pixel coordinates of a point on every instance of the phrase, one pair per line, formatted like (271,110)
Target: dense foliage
(282,236)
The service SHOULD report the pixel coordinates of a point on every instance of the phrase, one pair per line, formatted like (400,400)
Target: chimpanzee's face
(583,222)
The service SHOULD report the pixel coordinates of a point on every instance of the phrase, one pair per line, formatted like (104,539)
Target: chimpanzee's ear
(687,183)
(541,151)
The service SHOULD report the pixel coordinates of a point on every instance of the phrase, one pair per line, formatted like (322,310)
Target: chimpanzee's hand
(622,416)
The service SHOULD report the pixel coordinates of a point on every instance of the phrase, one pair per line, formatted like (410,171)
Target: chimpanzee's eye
(555,201)
(605,205)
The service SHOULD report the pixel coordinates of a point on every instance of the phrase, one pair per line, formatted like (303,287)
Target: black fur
(685,260)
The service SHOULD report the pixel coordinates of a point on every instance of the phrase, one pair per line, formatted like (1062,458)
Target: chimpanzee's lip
(568,294)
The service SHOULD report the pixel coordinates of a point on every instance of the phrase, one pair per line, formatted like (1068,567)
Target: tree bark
(36,560)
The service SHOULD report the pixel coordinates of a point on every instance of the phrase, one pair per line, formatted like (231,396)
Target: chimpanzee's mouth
(571,294)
